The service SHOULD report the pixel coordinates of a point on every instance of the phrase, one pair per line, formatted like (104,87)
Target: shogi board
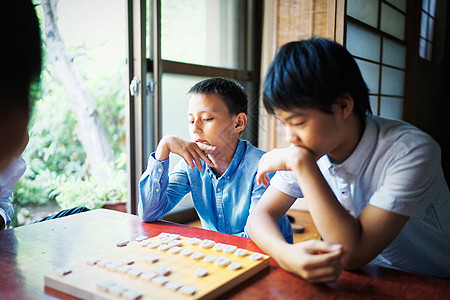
(91,279)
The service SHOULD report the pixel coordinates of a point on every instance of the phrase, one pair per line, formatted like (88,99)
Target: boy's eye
(207,119)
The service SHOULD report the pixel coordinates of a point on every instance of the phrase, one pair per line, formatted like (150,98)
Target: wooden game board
(159,268)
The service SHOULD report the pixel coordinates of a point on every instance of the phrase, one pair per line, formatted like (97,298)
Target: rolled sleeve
(285,182)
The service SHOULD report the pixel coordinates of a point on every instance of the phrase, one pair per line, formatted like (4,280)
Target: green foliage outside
(55,157)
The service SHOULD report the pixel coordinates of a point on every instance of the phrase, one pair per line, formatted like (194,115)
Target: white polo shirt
(395,167)
(8,180)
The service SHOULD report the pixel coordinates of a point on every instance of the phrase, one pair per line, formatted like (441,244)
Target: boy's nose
(196,127)
(291,138)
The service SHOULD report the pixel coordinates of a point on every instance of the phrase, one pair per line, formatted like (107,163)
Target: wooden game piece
(193,241)
(92,261)
(210,258)
(175,250)
(164,247)
(145,243)
(105,285)
(200,272)
(128,261)
(153,245)
(117,289)
(169,238)
(222,261)
(148,275)
(206,244)
(141,238)
(197,255)
(174,285)
(219,247)
(256,256)
(161,280)
(229,248)
(175,243)
(163,235)
(134,272)
(132,294)
(122,243)
(103,263)
(112,266)
(188,289)
(63,272)
(235,265)
(124,268)
(162,270)
(186,251)
(240,252)
(152,258)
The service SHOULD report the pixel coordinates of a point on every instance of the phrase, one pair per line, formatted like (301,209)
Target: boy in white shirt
(373,185)
(20,50)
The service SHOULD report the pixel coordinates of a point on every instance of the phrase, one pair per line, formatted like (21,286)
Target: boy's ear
(241,122)
(346,104)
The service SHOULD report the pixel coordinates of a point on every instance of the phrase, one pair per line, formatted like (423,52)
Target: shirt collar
(354,163)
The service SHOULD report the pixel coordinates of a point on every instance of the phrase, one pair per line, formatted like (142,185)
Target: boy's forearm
(264,231)
(334,223)
(162,151)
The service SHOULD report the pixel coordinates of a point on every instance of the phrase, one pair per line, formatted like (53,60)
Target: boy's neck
(351,137)
(222,159)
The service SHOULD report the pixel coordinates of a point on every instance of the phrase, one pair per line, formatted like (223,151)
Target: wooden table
(28,253)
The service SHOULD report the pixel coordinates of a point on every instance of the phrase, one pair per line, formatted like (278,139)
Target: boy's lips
(205,142)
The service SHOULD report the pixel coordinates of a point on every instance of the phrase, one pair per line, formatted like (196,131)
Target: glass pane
(363,43)
(423,25)
(392,22)
(429,51)
(425,5)
(430,29)
(70,148)
(400,4)
(432,10)
(394,54)
(422,48)
(184,38)
(391,107)
(374,104)
(370,73)
(365,11)
(392,81)
(174,104)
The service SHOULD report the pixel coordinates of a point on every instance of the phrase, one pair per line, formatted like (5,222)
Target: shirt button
(157,190)
(218,189)
(228,177)
(159,170)
(220,216)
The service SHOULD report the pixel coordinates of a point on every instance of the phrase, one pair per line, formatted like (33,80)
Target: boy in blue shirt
(373,185)
(218,168)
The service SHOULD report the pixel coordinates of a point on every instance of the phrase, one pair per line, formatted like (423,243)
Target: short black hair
(20,53)
(314,73)
(231,92)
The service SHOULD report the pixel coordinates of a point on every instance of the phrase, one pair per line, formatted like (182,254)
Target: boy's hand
(191,152)
(313,260)
(284,159)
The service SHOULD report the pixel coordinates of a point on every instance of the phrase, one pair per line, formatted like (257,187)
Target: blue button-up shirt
(223,204)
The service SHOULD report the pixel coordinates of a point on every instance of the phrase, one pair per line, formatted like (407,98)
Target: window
(427,22)
(188,41)
(375,36)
